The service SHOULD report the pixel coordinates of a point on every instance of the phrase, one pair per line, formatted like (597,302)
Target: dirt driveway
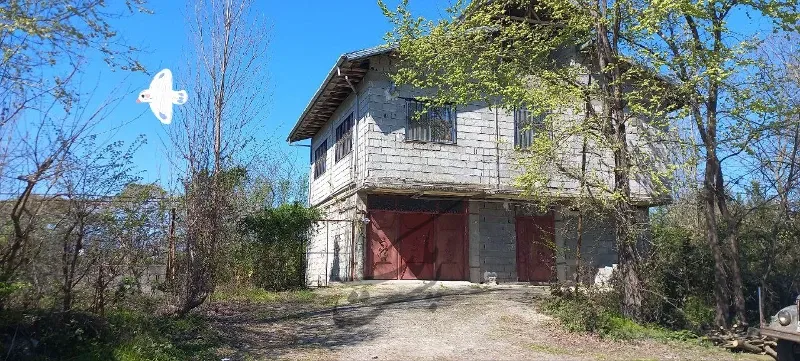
(427,321)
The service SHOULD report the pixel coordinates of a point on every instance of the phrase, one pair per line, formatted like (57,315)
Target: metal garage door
(416,239)
(535,244)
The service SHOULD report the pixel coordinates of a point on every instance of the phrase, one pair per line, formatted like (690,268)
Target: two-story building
(429,197)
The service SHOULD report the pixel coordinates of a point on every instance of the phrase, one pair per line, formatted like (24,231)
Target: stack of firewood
(744,340)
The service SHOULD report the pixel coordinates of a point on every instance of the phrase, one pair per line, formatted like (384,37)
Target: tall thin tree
(219,126)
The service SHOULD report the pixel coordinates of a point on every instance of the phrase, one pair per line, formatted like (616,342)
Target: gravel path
(426,322)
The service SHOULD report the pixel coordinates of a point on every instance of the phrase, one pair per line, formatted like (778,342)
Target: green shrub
(698,313)
(597,313)
(274,258)
(123,335)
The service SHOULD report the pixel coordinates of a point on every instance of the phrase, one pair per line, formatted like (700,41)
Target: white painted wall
(339,175)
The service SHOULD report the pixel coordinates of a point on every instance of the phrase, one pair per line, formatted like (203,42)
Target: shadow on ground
(283,329)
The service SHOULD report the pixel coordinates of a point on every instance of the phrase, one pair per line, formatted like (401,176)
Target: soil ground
(425,321)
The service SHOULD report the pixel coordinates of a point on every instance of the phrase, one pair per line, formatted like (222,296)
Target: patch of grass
(330,300)
(621,328)
(260,295)
(548,349)
(302,296)
(144,337)
(248,294)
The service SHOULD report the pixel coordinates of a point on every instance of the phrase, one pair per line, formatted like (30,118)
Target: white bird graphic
(160,96)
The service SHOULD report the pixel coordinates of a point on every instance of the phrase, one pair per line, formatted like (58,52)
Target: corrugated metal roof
(368,52)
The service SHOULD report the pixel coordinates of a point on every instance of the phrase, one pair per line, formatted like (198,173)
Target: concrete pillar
(474,241)
(360,250)
(561,261)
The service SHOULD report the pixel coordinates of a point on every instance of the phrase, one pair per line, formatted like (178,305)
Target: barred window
(526,125)
(344,138)
(320,155)
(430,124)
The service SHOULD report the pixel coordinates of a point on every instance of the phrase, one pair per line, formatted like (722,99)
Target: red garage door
(535,248)
(382,256)
(416,239)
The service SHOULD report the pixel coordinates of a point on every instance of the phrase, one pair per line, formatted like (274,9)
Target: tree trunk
(611,84)
(736,278)
(632,285)
(732,242)
(721,297)
(170,276)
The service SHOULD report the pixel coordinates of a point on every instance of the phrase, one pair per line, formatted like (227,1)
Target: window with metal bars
(320,157)
(526,125)
(430,123)
(344,138)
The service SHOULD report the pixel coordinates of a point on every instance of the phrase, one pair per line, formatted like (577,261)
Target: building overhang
(458,190)
(348,72)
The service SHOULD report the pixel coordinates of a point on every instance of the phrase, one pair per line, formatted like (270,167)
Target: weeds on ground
(595,312)
(124,335)
(262,296)
(548,349)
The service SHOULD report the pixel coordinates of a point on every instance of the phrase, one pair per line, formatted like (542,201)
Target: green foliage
(677,270)
(698,313)
(43,31)
(9,288)
(273,255)
(598,313)
(680,264)
(480,55)
(122,335)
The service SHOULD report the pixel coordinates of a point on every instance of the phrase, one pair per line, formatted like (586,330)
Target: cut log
(747,346)
(770,351)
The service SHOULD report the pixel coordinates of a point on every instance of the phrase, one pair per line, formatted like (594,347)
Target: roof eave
(351,58)
(292,135)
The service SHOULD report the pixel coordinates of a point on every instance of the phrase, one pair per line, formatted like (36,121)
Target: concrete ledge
(402,283)
(446,284)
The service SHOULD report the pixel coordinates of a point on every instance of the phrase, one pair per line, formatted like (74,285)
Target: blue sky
(307,38)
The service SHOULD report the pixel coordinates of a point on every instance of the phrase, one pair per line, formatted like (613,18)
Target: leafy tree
(695,45)
(563,61)
(38,35)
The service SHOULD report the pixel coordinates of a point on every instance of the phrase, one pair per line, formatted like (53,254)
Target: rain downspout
(354,173)
(357,117)
(497,144)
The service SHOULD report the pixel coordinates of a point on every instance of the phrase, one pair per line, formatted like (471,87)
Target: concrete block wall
(482,133)
(350,168)
(382,155)
(331,244)
(492,240)
(471,161)
(498,239)
(597,247)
